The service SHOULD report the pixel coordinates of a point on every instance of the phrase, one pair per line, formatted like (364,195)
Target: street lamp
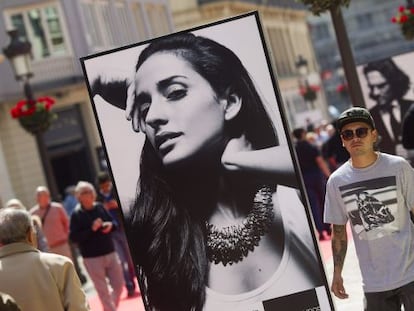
(302,65)
(307,92)
(18,52)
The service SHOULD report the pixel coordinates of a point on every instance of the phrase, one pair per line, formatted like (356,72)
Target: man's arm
(339,247)
(64,219)
(323,166)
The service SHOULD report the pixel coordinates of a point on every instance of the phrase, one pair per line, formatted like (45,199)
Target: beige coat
(40,281)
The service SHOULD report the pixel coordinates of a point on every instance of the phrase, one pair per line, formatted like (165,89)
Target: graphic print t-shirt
(372,207)
(376,200)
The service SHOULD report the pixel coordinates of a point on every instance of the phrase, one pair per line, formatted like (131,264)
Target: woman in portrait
(207,228)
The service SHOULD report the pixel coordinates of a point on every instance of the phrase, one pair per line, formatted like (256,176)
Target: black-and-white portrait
(197,145)
(388,92)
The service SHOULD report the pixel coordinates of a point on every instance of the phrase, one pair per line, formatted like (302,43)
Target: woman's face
(178,110)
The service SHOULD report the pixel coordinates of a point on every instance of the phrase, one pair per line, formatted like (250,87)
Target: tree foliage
(320,6)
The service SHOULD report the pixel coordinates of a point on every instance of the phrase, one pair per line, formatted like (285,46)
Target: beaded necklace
(231,244)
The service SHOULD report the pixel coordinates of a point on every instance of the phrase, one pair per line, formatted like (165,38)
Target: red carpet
(125,304)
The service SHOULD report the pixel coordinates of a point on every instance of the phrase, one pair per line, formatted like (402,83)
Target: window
(320,31)
(138,15)
(281,47)
(110,23)
(158,18)
(364,21)
(42,26)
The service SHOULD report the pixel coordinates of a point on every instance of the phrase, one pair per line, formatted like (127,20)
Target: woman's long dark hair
(168,241)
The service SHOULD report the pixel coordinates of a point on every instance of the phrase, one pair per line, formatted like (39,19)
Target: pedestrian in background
(374,191)
(69,203)
(55,222)
(334,152)
(41,241)
(90,227)
(106,196)
(315,171)
(37,281)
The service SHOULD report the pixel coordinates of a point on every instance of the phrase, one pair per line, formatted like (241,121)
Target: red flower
(403,18)
(412,10)
(394,19)
(25,108)
(401,9)
(341,88)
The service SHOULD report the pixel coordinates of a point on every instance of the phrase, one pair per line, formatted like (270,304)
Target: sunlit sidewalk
(351,275)
(126,304)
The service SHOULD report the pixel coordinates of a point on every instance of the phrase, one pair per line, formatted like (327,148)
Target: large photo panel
(387,87)
(199,151)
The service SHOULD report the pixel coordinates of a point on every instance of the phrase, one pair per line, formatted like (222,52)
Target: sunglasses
(360,132)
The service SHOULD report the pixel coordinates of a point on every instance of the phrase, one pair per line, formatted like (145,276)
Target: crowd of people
(52,236)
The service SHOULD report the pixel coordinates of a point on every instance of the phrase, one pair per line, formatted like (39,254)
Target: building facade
(61,32)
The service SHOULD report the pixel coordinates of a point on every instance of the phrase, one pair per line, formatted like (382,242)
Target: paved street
(351,275)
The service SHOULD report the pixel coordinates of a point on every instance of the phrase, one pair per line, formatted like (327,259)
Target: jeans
(392,300)
(122,249)
(102,267)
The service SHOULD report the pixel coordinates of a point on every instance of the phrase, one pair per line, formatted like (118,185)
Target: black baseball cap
(354,114)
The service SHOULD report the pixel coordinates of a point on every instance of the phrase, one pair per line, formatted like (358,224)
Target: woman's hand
(131,111)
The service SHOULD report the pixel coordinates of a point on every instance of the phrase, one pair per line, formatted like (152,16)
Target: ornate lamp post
(18,52)
(308,93)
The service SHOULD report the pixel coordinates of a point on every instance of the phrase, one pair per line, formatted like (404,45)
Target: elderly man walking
(90,227)
(36,280)
(55,222)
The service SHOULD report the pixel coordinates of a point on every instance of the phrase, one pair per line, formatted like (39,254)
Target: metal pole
(348,62)
(42,149)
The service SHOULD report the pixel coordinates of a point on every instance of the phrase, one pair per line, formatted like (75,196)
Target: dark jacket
(91,243)
(408,129)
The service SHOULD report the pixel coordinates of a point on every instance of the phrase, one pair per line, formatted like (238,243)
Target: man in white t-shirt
(372,190)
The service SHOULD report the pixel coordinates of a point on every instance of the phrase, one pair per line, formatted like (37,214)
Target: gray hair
(14,225)
(41,189)
(84,185)
(15,203)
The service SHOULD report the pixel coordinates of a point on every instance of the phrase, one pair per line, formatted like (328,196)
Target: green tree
(320,6)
